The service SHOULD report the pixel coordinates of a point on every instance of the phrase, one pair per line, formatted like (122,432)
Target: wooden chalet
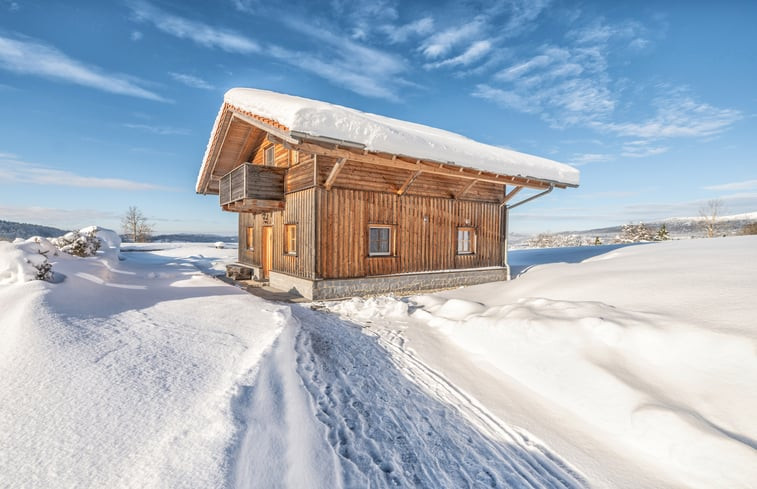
(328,212)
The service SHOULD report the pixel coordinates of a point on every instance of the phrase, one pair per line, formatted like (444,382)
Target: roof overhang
(236,132)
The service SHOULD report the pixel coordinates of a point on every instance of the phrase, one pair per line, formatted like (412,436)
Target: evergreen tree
(662,233)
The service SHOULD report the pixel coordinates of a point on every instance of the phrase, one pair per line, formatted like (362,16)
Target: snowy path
(349,417)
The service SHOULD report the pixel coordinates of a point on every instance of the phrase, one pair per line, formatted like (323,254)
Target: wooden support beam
(334,173)
(238,160)
(465,190)
(409,182)
(510,195)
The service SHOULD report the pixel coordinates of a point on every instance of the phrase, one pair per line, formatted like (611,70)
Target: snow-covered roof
(376,133)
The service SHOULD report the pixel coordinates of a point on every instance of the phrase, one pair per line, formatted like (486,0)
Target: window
(379,240)
(294,157)
(466,241)
(270,156)
(290,239)
(250,247)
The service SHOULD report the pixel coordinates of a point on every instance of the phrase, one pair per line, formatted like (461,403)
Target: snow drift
(651,348)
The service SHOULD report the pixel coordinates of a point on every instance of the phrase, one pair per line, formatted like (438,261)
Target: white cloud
(191,81)
(365,70)
(31,57)
(678,115)
(522,14)
(60,218)
(442,42)
(743,185)
(641,149)
(398,34)
(159,130)
(13,170)
(476,50)
(586,158)
(136,36)
(504,98)
(196,31)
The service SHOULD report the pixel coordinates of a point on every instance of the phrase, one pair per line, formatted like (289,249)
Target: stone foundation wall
(397,284)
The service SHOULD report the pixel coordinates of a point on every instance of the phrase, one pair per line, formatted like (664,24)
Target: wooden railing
(252,188)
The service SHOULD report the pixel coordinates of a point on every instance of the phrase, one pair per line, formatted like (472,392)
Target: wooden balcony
(252,188)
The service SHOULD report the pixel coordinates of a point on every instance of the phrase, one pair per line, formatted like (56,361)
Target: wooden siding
(364,176)
(299,211)
(424,233)
(300,177)
(281,155)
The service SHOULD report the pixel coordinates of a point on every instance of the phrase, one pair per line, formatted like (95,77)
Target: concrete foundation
(406,283)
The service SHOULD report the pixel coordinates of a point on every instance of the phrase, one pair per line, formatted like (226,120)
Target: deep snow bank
(123,375)
(651,348)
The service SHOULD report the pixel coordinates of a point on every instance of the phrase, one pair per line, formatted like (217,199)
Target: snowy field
(604,367)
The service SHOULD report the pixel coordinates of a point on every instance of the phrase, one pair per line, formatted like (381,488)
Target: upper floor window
(270,156)
(466,241)
(379,240)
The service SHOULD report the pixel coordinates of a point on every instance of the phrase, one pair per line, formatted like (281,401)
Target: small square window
(290,243)
(466,241)
(379,240)
(270,156)
(250,246)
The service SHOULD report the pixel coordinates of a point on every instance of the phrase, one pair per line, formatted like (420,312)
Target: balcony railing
(252,188)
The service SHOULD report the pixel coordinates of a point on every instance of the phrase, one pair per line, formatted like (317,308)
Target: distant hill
(12,230)
(678,228)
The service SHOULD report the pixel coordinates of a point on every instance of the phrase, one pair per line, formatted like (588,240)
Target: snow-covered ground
(624,367)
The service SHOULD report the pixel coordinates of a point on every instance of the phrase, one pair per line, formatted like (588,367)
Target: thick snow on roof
(384,134)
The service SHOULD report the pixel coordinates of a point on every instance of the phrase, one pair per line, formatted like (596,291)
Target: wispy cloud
(641,149)
(743,185)
(475,52)
(65,218)
(350,63)
(678,115)
(199,32)
(30,57)
(401,33)
(565,86)
(10,5)
(442,42)
(363,69)
(159,130)
(13,170)
(136,36)
(586,158)
(191,81)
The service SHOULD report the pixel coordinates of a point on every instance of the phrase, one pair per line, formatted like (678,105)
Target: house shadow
(390,426)
(91,288)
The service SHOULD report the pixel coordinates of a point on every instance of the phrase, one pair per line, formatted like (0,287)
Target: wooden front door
(267,250)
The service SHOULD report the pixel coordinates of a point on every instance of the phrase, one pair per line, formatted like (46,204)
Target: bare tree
(135,226)
(710,214)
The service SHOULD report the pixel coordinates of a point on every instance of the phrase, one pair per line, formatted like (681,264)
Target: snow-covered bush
(24,261)
(78,243)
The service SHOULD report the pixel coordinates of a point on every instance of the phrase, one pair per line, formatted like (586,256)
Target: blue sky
(109,104)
